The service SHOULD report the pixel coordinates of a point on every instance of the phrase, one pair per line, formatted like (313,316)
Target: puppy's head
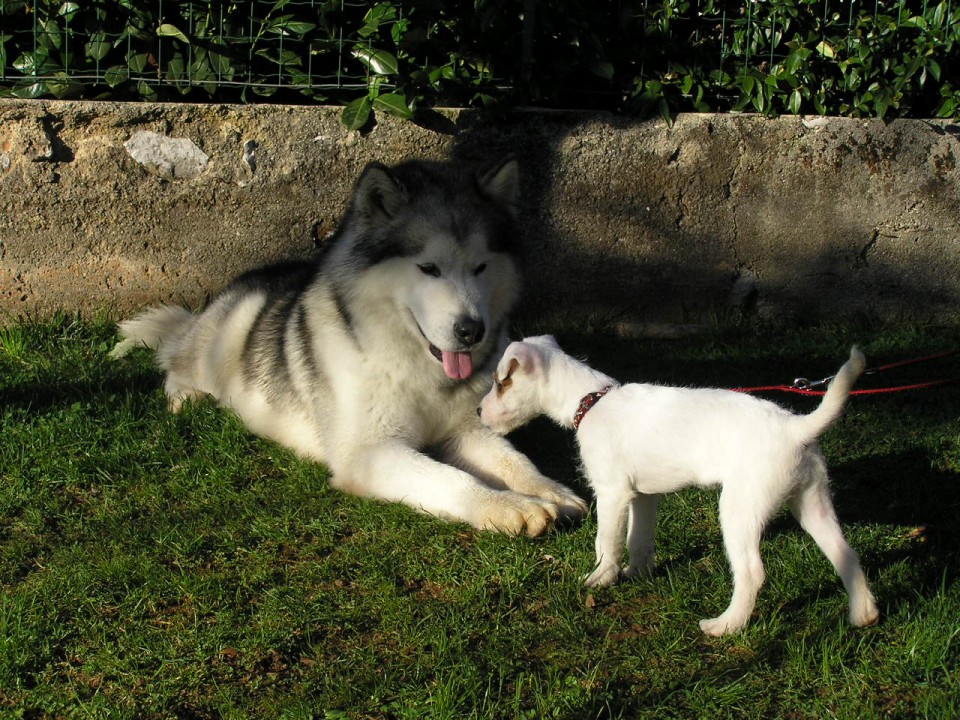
(514,399)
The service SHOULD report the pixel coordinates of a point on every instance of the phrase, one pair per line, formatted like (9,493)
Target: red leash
(802,386)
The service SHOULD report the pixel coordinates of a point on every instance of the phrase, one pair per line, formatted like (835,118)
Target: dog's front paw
(722,625)
(864,611)
(641,569)
(604,576)
(517,514)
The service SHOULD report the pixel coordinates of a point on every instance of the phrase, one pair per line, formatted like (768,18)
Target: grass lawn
(162,566)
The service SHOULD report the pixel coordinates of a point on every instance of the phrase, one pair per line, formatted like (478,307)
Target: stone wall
(114,206)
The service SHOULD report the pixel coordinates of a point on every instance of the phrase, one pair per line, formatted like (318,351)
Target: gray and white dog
(639,441)
(372,359)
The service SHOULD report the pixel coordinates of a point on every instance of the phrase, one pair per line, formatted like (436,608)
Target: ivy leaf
(30,91)
(881,104)
(377,15)
(26,64)
(793,104)
(356,113)
(115,75)
(395,104)
(300,28)
(286,25)
(378,61)
(665,112)
(98,49)
(175,70)
(602,70)
(934,68)
(138,62)
(168,30)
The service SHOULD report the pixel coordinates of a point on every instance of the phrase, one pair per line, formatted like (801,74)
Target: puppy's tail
(151,328)
(809,427)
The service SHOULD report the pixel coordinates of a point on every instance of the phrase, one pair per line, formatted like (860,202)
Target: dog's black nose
(469,330)
(479,411)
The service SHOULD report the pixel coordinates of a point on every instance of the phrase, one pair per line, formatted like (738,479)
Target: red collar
(588,402)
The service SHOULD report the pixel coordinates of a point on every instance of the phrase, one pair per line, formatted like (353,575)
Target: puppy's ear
(521,356)
(547,341)
(379,194)
(501,183)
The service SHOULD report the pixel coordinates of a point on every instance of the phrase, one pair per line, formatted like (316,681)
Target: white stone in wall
(170,158)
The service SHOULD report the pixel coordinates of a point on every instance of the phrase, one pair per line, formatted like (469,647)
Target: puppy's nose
(469,330)
(479,411)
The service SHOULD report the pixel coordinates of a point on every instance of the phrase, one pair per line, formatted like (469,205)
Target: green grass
(163,566)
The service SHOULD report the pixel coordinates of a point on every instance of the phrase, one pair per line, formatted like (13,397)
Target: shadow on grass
(50,392)
(903,489)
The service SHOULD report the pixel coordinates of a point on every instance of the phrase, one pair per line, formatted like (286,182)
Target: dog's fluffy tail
(151,328)
(810,426)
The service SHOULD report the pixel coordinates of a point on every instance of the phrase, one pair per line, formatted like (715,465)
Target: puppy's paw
(517,514)
(865,613)
(642,568)
(723,625)
(604,576)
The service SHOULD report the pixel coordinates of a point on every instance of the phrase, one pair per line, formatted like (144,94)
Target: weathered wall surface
(630,217)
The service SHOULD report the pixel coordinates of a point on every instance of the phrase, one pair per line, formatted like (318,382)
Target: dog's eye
(429,269)
(479,268)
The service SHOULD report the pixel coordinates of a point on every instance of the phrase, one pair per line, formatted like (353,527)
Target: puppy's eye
(429,269)
(479,268)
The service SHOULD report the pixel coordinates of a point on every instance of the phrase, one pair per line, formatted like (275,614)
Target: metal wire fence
(117,47)
(857,56)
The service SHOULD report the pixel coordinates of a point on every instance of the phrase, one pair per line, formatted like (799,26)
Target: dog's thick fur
(639,441)
(372,358)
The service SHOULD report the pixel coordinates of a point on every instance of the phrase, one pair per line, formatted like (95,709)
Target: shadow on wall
(676,225)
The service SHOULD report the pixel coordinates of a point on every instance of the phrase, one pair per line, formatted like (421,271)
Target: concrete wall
(634,218)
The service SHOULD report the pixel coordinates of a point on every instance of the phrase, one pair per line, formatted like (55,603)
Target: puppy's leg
(391,470)
(612,508)
(491,458)
(814,511)
(743,515)
(641,526)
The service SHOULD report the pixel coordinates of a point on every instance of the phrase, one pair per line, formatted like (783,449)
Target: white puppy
(638,441)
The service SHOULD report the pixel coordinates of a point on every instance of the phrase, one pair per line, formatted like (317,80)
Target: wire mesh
(63,48)
(571,52)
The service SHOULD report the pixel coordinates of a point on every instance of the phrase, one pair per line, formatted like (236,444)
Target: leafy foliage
(844,57)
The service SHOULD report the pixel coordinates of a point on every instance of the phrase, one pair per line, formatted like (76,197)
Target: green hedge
(834,57)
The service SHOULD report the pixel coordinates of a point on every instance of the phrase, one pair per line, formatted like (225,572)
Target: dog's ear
(547,341)
(501,183)
(379,194)
(521,356)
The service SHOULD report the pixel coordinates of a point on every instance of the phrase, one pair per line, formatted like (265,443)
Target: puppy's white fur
(640,441)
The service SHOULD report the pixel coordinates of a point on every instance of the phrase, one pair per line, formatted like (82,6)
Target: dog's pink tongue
(457,365)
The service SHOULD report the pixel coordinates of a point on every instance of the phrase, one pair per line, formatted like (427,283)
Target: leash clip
(802,383)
